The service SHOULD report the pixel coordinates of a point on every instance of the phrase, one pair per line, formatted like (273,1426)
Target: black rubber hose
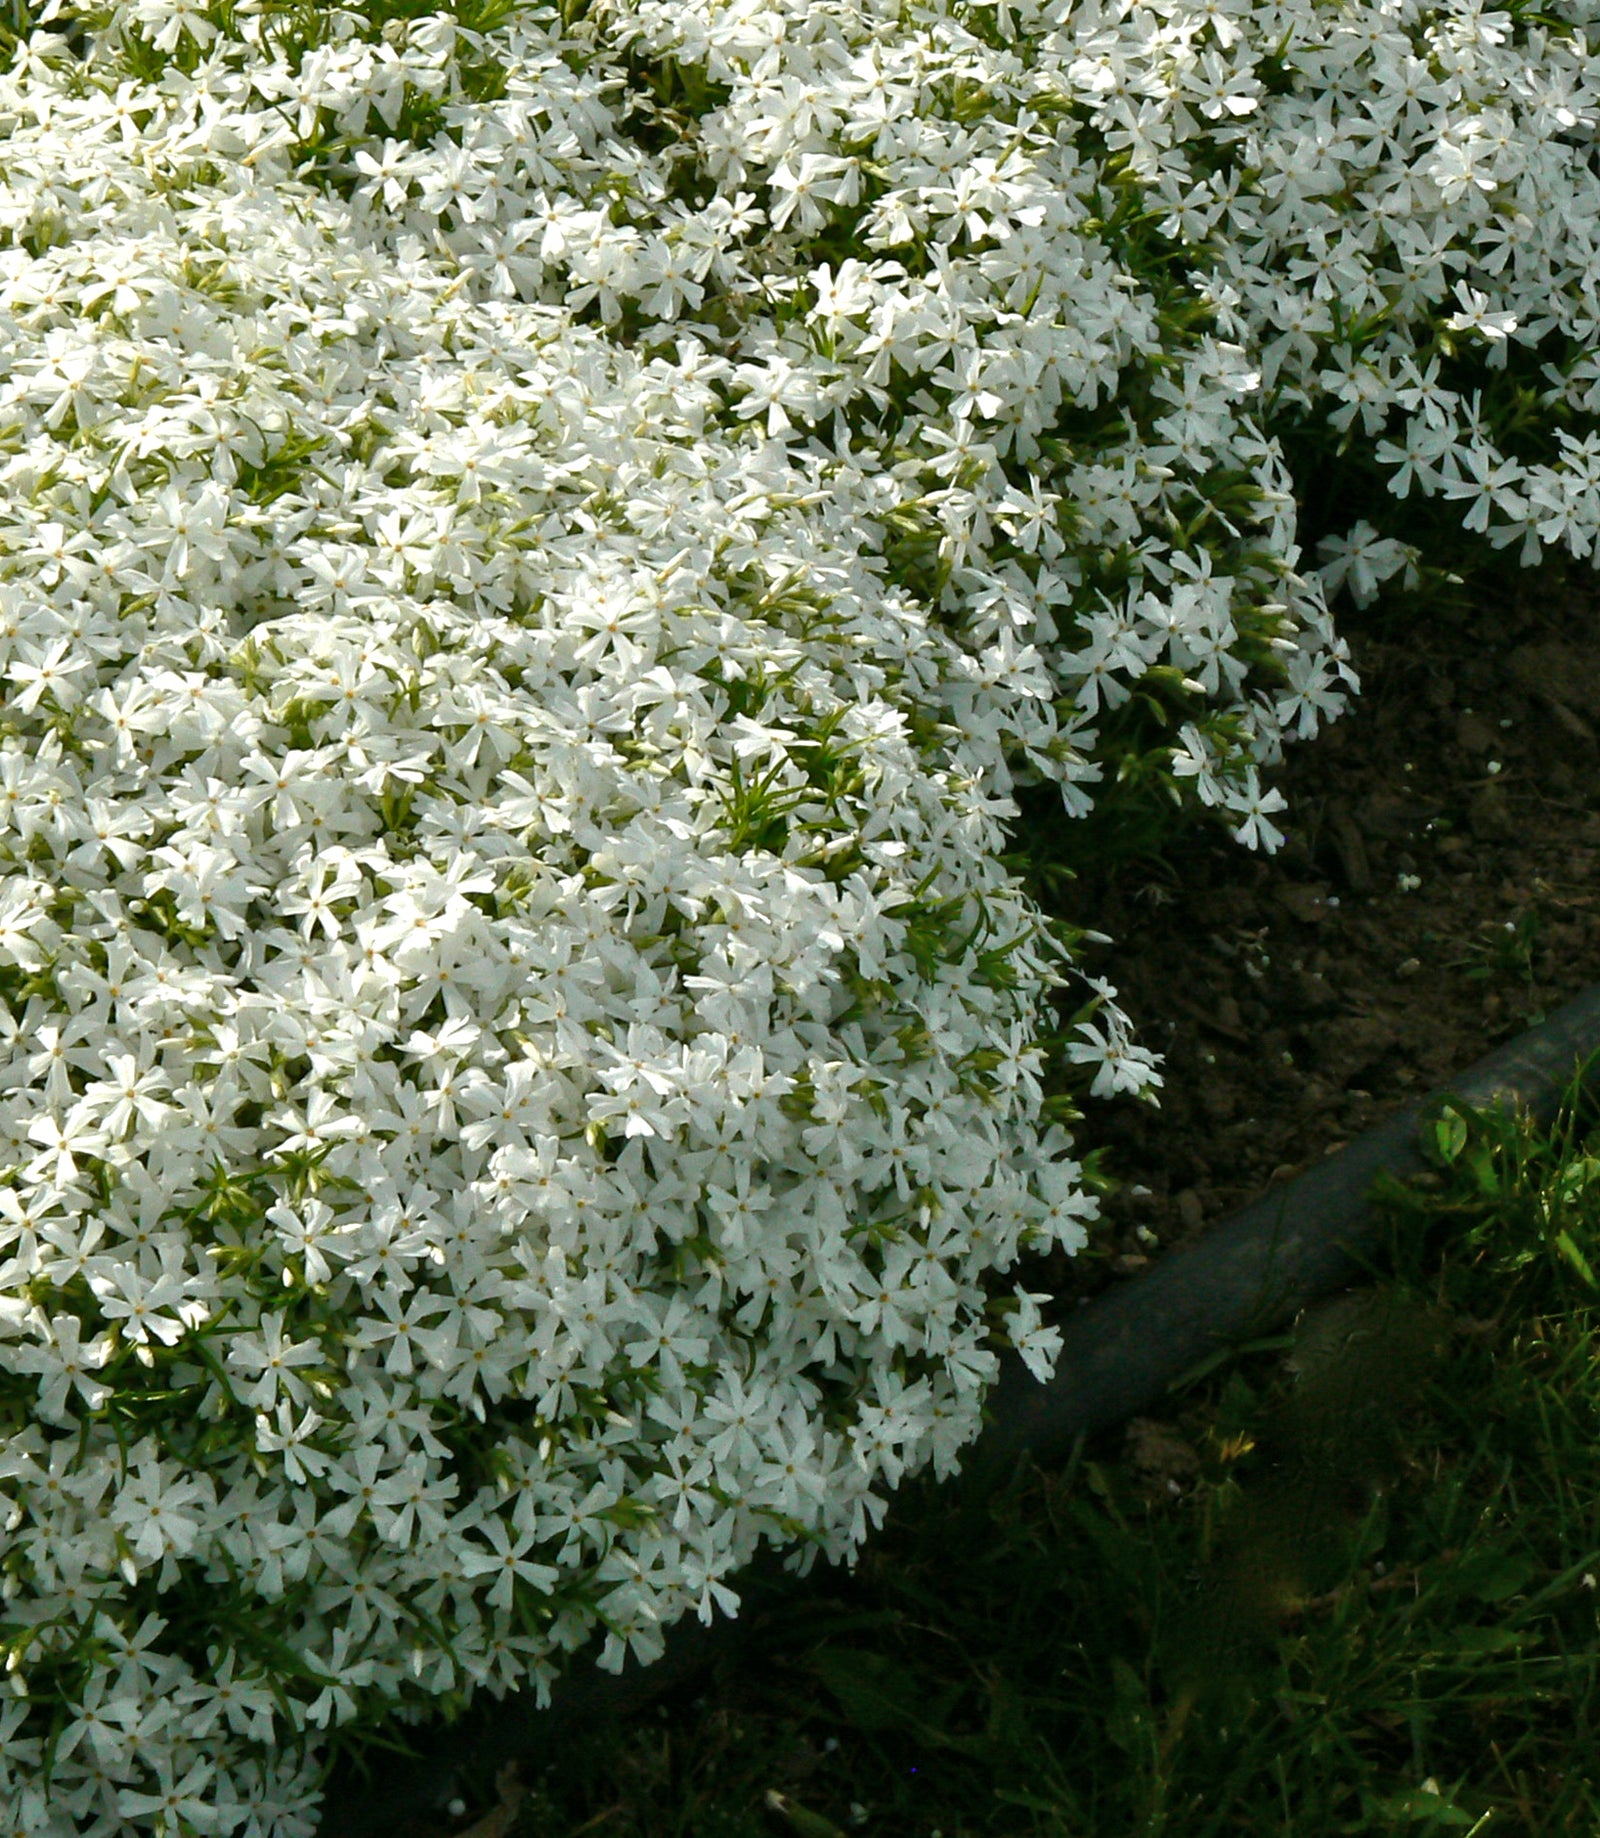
(1247,1276)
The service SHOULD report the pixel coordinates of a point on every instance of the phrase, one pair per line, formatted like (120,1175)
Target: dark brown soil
(1436,895)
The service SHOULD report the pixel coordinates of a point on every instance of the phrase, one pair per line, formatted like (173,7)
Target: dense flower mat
(535,551)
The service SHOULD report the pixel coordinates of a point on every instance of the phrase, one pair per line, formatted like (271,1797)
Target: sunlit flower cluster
(533,560)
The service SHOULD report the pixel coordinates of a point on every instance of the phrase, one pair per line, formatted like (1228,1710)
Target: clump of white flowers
(534,555)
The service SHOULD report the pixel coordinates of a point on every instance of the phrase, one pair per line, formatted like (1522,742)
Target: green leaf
(1570,1251)
(1478,1640)
(1481,1162)
(1450,1135)
(1492,1576)
(1128,1719)
(1576,1178)
(1420,1804)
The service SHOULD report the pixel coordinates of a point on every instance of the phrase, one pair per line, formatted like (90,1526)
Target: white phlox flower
(522,1060)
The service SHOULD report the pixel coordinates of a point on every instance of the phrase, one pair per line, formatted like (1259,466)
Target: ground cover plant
(539,547)
(1346,1583)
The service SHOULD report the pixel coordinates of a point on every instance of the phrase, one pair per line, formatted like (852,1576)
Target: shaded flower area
(539,550)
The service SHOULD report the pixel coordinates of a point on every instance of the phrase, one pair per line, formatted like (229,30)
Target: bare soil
(1436,895)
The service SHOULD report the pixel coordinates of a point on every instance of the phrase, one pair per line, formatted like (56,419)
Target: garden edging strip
(1246,1276)
(1255,1269)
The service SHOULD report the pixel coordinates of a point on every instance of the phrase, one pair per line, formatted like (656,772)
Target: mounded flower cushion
(532,562)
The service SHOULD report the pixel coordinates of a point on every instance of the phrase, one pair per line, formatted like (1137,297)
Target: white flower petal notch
(526,595)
